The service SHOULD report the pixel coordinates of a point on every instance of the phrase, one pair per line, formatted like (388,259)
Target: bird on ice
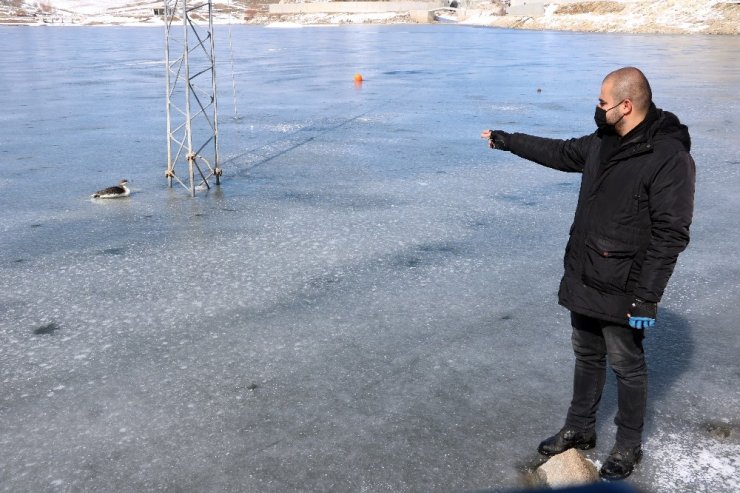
(120,190)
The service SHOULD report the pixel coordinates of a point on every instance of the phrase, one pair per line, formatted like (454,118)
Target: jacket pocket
(607,264)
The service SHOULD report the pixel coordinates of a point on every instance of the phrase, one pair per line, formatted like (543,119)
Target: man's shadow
(669,349)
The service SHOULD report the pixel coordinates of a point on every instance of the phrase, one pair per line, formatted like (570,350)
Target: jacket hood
(668,126)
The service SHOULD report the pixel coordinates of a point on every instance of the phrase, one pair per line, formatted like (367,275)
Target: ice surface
(368,302)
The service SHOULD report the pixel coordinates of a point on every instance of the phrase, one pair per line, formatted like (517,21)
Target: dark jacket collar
(642,130)
(658,125)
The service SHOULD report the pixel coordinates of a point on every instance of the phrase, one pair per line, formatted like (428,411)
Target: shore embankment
(624,16)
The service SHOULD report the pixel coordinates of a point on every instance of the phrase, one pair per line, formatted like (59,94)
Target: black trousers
(594,341)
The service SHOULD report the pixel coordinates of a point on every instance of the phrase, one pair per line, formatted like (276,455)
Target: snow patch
(685,463)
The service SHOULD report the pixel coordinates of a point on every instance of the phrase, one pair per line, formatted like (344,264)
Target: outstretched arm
(564,155)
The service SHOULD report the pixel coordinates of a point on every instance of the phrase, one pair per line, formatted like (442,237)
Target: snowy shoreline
(677,17)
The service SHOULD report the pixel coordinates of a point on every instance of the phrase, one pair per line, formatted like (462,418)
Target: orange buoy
(358,77)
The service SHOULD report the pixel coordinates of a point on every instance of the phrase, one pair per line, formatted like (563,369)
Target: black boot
(620,463)
(566,439)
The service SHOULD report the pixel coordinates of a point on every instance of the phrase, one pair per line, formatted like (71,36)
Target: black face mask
(600,117)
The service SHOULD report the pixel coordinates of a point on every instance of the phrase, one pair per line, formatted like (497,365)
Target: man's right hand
(497,139)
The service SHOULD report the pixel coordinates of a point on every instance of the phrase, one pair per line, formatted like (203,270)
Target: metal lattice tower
(192,111)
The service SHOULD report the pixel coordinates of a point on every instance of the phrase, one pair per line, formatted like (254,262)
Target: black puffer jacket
(633,215)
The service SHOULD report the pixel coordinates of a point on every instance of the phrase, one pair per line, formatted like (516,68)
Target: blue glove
(642,314)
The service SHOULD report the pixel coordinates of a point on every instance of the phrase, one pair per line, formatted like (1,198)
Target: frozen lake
(368,302)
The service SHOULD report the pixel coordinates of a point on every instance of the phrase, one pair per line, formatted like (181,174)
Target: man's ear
(627,106)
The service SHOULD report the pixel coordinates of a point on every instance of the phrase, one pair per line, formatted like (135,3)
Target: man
(632,220)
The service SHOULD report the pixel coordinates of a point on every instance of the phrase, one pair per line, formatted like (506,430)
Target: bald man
(632,220)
